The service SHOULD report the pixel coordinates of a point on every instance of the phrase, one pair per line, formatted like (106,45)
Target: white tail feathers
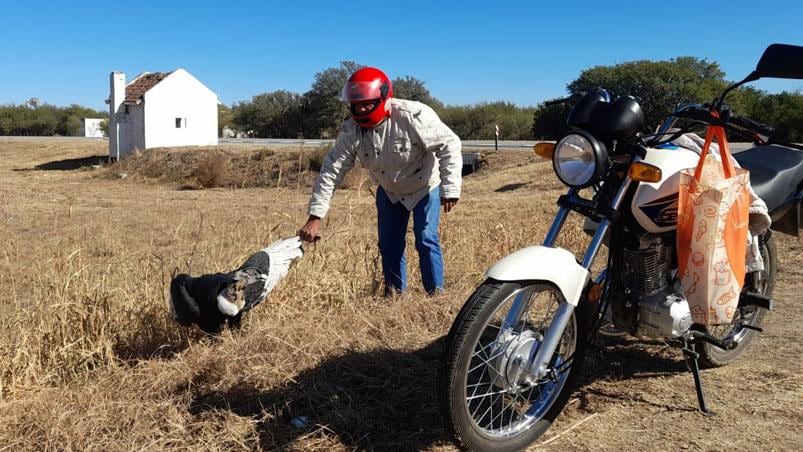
(281,253)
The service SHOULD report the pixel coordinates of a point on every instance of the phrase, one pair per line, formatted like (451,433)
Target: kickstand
(691,362)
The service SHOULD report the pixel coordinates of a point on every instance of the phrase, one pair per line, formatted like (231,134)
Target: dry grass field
(90,360)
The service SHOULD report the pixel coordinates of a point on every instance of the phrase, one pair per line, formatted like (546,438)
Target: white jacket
(408,154)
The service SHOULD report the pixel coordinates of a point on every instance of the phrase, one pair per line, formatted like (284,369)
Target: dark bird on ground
(211,300)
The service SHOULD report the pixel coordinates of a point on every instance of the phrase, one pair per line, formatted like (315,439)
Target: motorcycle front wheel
(487,402)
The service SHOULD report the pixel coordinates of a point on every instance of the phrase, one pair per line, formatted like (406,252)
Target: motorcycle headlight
(579,159)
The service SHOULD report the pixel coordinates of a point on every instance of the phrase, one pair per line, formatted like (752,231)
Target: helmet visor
(363,91)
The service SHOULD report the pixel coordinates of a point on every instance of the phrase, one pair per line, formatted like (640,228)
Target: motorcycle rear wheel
(762,282)
(485,402)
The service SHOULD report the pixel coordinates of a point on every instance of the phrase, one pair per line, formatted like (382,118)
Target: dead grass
(91,360)
(229,167)
(213,171)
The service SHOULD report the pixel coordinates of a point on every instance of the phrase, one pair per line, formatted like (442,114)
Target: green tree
(411,88)
(269,115)
(225,119)
(322,110)
(658,86)
(104,127)
(70,117)
(784,111)
(476,122)
(44,119)
(549,122)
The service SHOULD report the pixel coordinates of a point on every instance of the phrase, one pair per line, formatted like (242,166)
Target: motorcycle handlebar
(751,125)
(740,122)
(695,114)
(564,100)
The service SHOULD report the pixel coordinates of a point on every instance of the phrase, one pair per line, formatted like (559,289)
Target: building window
(181,123)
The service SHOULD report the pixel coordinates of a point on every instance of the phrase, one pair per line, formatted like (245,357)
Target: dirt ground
(89,358)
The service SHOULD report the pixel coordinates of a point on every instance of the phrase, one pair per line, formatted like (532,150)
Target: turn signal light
(644,172)
(544,150)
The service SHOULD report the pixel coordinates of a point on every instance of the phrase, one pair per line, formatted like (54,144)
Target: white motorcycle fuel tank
(655,204)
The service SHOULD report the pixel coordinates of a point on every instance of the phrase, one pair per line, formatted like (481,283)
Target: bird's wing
(247,290)
(281,253)
(258,276)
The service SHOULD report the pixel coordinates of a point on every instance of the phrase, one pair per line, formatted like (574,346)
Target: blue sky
(466,52)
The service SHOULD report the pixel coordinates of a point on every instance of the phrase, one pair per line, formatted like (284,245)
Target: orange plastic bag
(713,212)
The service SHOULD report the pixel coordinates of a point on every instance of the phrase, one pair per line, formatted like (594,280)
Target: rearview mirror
(780,61)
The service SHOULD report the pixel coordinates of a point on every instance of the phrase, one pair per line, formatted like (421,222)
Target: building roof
(141,84)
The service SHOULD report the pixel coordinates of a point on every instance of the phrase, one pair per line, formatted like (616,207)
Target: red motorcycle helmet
(368,84)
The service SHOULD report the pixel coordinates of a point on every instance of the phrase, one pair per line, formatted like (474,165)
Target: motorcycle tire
(471,419)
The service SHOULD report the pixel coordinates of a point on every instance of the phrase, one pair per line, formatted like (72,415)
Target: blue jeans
(393,219)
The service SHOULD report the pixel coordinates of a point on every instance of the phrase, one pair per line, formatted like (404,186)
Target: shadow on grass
(510,187)
(155,337)
(386,399)
(376,400)
(629,358)
(69,164)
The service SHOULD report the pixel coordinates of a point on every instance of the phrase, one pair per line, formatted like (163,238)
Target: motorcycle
(517,345)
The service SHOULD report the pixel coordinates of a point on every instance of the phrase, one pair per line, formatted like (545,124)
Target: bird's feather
(211,300)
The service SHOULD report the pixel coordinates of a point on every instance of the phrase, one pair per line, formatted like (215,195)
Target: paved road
(505,144)
(489,144)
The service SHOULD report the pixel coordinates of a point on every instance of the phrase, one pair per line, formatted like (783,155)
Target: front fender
(555,265)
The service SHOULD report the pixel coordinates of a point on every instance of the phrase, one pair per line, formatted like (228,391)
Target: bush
(315,158)
(44,120)
(476,122)
(213,171)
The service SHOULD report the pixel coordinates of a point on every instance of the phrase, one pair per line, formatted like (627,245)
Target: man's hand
(448,204)
(309,232)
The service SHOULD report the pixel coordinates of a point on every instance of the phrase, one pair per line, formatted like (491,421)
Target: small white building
(160,109)
(91,127)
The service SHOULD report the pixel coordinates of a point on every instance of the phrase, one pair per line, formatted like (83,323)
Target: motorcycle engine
(650,285)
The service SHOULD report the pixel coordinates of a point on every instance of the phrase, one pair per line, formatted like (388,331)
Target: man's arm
(338,161)
(440,139)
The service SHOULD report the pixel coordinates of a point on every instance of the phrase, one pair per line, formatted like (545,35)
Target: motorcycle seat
(775,172)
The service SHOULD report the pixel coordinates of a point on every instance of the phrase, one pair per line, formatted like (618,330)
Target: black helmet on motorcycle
(595,112)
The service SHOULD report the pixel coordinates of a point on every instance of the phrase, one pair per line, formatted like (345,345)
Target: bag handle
(717,132)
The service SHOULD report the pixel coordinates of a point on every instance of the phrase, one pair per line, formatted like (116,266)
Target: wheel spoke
(530,395)
(482,349)
(501,414)
(490,408)
(477,408)
(484,370)
(487,363)
(488,394)
(550,311)
(493,408)
(479,385)
(513,408)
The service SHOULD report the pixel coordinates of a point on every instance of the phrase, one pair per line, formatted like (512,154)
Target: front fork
(538,361)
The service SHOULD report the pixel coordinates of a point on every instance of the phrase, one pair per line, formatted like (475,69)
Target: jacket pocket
(401,150)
